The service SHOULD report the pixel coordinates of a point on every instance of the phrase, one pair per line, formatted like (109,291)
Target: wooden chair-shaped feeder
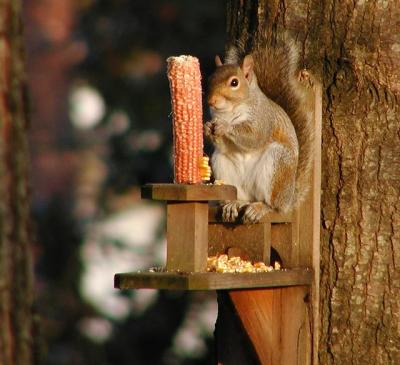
(266,318)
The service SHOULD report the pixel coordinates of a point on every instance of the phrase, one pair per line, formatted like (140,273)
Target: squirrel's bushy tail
(276,67)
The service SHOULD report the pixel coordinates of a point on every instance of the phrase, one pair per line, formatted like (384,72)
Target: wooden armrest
(186,192)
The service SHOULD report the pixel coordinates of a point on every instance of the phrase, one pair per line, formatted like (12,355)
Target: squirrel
(261,128)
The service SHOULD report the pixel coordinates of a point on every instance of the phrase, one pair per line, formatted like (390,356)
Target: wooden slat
(187,236)
(281,241)
(297,245)
(212,281)
(253,241)
(185,192)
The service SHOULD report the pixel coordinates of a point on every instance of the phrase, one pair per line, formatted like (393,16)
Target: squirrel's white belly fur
(250,172)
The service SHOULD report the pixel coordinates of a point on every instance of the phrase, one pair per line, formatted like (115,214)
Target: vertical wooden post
(187,236)
(316,209)
(310,222)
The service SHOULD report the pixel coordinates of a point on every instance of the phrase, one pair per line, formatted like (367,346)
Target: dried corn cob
(185,85)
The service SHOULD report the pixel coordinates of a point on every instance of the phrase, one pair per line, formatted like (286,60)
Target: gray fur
(277,68)
(247,153)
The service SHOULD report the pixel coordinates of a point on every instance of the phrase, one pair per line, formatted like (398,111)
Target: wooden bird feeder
(265,318)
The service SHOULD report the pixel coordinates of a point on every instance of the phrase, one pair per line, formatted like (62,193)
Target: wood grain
(260,313)
(277,323)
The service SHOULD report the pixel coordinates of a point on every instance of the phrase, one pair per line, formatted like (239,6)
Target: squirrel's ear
(218,61)
(247,67)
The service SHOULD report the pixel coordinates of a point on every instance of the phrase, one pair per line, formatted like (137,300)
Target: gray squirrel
(261,128)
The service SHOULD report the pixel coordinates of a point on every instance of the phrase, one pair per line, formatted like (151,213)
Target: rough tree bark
(353,47)
(15,259)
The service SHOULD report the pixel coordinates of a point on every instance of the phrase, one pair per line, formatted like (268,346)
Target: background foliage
(101,128)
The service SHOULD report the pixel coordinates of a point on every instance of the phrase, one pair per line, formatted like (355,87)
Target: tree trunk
(354,49)
(15,252)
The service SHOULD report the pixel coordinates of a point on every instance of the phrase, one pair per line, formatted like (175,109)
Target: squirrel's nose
(212,100)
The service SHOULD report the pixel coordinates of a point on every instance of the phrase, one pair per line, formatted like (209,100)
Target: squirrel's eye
(234,82)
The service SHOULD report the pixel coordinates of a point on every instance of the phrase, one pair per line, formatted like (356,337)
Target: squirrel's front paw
(254,212)
(216,128)
(221,129)
(208,129)
(231,210)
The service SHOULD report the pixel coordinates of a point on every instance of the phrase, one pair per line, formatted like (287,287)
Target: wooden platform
(212,281)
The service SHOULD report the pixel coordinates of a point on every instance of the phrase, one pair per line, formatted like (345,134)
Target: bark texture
(15,252)
(353,47)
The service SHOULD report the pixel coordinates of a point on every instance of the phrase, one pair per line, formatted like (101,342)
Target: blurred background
(101,127)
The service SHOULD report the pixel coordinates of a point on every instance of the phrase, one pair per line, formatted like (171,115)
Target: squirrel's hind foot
(254,212)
